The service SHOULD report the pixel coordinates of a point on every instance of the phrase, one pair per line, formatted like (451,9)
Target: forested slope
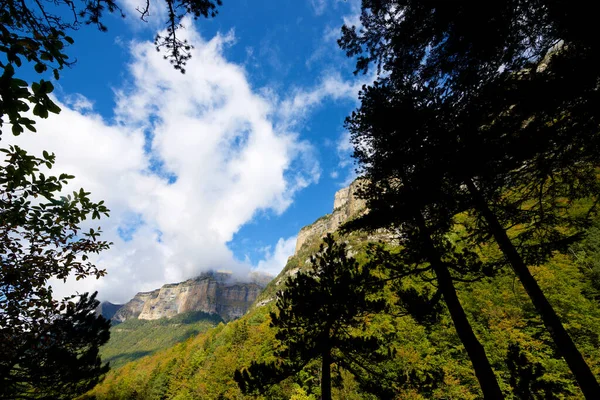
(428,360)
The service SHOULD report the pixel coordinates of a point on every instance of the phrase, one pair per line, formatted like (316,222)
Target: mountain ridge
(213,292)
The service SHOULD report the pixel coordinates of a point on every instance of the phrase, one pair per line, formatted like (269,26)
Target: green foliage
(316,314)
(428,361)
(36,34)
(587,253)
(61,360)
(500,120)
(136,338)
(40,238)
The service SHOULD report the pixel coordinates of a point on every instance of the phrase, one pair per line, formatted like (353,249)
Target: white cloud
(295,108)
(220,152)
(275,260)
(318,6)
(155,17)
(78,102)
(211,132)
(344,149)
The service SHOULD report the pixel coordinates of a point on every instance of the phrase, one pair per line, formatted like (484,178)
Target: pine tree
(512,93)
(316,315)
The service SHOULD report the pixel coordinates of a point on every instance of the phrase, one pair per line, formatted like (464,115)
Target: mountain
(211,293)
(107,309)
(156,320)
(428,360)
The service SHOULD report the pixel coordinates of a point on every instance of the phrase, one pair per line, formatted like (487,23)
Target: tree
(41,238)
(58,361)
(399,200)
(513,90)
(317,316)
(36,34)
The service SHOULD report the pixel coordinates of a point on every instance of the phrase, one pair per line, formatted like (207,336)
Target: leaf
(39,68)
(17,129)
(53,108)
(40,111)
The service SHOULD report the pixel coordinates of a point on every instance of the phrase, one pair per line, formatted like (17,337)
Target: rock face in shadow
(108,309)
(213,293)
(345,206)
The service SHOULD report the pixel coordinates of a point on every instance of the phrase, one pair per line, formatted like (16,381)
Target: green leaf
(39,68)
(17,129)
(52,107)
(40,111)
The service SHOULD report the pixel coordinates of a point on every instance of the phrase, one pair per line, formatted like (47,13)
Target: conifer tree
(316,314)
(513,93)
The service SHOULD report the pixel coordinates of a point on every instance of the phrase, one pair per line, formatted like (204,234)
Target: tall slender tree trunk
(584,376)
(481,364)
(326,375)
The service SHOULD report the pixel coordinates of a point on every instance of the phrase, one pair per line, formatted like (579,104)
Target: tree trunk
(584,376)
(326,375)
(481,365)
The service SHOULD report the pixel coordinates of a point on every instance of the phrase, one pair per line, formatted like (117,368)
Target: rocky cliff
(346,205)
(213,292)
(108,309)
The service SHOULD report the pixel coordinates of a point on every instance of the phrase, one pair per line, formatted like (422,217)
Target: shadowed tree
(41,238)
(399,200)
(512,93)
(318,313)
(36,34)
(59,360)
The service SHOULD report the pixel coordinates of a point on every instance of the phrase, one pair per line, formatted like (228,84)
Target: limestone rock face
(133,308)
(345,206)
(213,293)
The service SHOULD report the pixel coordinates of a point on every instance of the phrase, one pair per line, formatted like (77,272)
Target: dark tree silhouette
(46,344)
(399,196)
(40,240)
(512,91)
(316,314)
(59,360)
(37,34)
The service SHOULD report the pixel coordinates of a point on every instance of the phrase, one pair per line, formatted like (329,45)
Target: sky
(214,169)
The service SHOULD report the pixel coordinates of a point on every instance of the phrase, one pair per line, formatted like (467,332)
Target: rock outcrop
(108,309)
(133,308)
(213,293)
(345,206)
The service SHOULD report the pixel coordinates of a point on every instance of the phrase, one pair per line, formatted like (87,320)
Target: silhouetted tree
(59,360)
(512,93)
(48,347)
(36,34)
(400,199)
(40,238)
(317,314)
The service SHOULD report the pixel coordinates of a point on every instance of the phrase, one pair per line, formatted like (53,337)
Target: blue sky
(218,168)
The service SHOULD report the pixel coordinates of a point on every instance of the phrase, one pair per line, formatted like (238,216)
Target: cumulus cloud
(302,100)
(345,167)
(182,165)
(275,259)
